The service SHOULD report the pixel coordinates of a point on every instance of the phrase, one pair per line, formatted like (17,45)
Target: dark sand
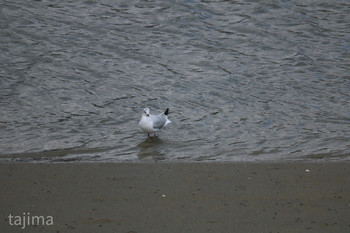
(189,197)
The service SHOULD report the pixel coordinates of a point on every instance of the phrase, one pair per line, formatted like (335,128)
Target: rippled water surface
(244,80)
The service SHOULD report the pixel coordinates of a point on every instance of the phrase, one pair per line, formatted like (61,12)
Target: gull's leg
(148,135)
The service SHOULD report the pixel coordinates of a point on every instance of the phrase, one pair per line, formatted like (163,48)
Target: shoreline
(178,197)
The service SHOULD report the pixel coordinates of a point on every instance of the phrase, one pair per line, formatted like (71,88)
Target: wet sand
(188,197)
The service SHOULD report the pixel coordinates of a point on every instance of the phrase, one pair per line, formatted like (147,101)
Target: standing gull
(151,123)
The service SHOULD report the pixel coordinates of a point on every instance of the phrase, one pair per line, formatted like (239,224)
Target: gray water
(244,80)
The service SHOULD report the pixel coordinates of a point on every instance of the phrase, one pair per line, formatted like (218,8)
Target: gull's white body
(151,123)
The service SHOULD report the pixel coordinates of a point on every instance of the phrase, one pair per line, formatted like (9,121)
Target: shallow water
(244,80)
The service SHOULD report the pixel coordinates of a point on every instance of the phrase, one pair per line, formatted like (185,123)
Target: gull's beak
(147,114)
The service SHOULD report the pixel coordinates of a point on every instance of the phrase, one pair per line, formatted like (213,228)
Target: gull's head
(147,111)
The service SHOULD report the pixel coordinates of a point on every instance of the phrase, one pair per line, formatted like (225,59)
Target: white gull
(151,123)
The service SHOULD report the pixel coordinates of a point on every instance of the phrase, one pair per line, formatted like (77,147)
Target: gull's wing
(158,120)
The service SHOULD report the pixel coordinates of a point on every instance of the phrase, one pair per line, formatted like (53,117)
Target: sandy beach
(175,197)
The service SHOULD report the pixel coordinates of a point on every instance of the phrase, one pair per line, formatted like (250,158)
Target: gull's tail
(167,120)
(166,112)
